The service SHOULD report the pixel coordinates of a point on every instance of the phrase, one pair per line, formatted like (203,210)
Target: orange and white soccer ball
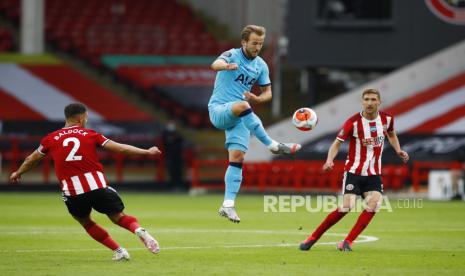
(305,119)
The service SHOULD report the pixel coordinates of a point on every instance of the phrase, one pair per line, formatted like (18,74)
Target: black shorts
(358,184)
(106,201)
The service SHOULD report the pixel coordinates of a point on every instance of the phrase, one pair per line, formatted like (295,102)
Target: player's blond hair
(259,30)
(371,91)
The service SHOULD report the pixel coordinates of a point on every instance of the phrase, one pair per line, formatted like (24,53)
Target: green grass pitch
(39,237)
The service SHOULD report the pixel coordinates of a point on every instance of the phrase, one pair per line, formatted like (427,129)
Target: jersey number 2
(72,154)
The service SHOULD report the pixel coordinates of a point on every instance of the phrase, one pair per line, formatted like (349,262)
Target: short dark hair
(372,91)
(74,109)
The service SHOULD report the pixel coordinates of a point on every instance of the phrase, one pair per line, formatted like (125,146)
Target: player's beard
(250,54)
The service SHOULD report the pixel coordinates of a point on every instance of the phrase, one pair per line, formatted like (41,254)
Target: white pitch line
(363,238)
(46,230)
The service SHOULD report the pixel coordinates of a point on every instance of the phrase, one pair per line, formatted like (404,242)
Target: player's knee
(373,205)
(237,157)
(244,105)
(115,217)
(84,221)
(346,207)
(241,106)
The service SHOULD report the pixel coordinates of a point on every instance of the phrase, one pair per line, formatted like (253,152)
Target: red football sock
(362,222)
(330,220)
(129,222)
(99,234)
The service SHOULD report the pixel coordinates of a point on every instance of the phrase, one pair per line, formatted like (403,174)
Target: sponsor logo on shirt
(373,141)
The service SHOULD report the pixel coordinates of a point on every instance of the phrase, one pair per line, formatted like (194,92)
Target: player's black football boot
(306,245)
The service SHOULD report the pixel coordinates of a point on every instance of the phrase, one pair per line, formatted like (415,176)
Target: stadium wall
(411,31)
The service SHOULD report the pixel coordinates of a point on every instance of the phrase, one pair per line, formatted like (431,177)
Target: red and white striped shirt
(366,139)
(74,154)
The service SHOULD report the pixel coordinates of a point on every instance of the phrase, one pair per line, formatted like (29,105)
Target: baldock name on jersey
(70,131)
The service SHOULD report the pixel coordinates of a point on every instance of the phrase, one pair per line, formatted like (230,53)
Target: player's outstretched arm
(394,141)
(221,64)
(29,163)
(130,150)
(332,153)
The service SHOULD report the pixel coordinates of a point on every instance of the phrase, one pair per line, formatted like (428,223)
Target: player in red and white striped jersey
(366,132)
(366,138)
(73,150)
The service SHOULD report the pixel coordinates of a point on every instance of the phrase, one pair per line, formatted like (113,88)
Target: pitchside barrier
(285,175)
(278,175)
(15,150)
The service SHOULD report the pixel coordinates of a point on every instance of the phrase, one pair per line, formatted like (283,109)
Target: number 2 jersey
(73,150)
(366,142)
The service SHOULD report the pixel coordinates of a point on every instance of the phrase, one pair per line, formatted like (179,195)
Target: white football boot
(150,243)
(285,148)
(121,254)
(230,213)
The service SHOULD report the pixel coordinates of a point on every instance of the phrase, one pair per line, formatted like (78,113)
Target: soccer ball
(305,119)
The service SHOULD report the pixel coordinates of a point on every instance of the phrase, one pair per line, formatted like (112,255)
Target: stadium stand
(83,89)
(433,109)
(13,109)
(92,28)
(43,90)
(150,29)
(184,90)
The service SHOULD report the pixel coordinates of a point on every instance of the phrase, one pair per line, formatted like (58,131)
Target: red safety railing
(287,175)
(20,147)
(278,175)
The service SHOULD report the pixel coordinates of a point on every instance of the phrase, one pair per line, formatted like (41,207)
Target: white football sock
(273,145)
(228,203)
(139,231)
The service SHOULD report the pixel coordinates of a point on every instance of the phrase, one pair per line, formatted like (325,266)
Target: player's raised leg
(347,204)
(243,110)
(373,201)
(130,223)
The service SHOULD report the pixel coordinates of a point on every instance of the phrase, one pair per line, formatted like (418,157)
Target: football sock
(329,221)
(362,222)
(129,222)
(254,124)
(99,234)
(232,179)
(228,203)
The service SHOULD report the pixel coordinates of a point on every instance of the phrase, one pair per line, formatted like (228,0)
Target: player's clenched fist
(14,177)
(154,151)
(328,166)
(403,155)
